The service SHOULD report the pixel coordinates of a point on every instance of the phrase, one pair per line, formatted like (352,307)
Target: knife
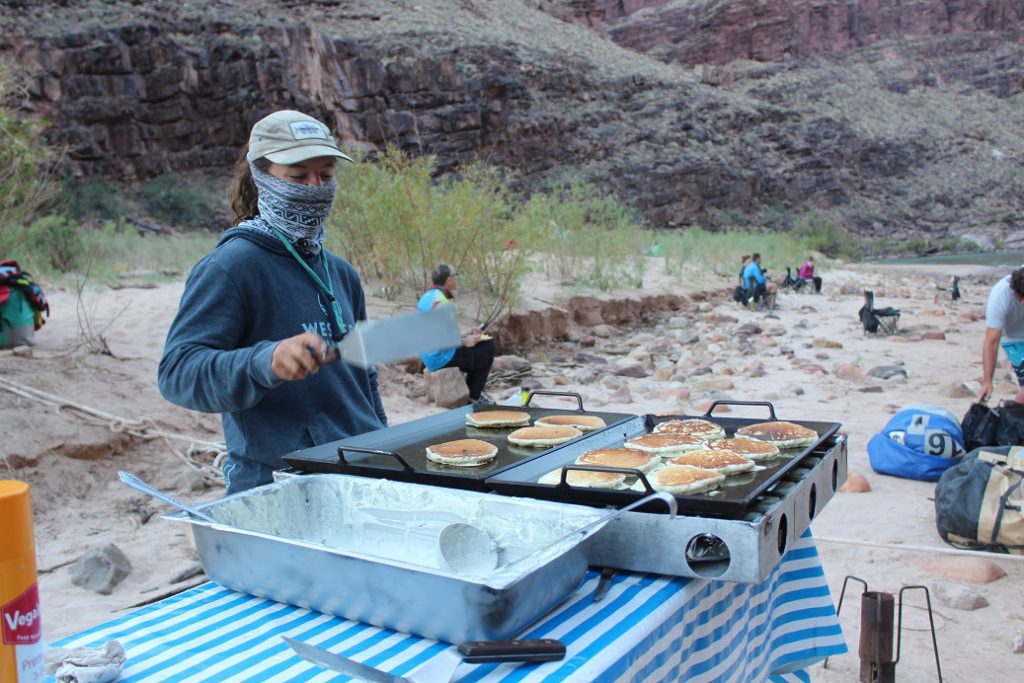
(440,667)
(403,336)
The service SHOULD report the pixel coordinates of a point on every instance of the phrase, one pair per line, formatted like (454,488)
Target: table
(646,628)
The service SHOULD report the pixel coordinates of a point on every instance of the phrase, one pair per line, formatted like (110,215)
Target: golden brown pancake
(780,433)
(665,444)
(748,448)
(721,461)
(619,457)
(462,453)
(540,437)
(498,418)
(705,429)
(585,479)
(584,423)
(682,479)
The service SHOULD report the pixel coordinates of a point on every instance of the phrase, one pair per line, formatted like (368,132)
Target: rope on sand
(193,456)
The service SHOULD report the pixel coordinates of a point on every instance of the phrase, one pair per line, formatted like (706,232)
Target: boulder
(969,569)
(447,387)
(101,569)
(855,483)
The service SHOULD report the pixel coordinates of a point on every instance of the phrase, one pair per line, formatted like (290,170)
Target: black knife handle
(542,650)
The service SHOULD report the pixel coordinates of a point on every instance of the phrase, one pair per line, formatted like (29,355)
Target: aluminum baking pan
(365,549)
(732,500)
(399,452)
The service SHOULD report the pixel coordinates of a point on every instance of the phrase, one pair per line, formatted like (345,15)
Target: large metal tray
(364,549)
(733,500)
(399,452)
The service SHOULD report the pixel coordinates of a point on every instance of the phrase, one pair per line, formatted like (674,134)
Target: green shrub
(820,233)
(94,198)
(59,239)
(175,201)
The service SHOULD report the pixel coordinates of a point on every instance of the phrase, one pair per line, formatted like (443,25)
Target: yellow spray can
(21,644)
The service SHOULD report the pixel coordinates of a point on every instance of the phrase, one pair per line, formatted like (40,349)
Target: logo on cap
(304,130)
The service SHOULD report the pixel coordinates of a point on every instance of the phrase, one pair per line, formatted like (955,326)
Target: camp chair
(878,320)
(953,289)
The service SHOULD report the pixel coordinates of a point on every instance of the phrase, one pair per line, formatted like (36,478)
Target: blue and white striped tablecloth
(647,628)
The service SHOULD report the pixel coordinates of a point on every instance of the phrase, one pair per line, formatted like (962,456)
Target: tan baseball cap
(291,137)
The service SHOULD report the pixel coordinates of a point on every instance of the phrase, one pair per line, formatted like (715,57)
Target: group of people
(757,289)
(254,332)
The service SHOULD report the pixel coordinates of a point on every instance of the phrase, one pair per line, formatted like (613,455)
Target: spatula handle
(541,650)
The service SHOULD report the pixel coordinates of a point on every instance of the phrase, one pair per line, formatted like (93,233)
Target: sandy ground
(117,420)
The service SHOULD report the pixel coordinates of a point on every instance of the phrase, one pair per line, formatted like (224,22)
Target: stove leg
(877,612)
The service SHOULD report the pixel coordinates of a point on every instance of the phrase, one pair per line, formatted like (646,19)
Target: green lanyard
(327,288)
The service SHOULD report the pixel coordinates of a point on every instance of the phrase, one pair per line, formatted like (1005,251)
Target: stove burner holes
(835,476)
(812,502)
(783,537)
(707,556)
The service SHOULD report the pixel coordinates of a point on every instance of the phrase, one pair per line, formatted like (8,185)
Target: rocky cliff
(900,138)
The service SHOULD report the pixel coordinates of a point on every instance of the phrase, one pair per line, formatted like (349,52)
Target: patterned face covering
(297,210)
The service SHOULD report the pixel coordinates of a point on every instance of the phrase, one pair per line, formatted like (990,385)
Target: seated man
(476,354)
(806,274)
(761,290)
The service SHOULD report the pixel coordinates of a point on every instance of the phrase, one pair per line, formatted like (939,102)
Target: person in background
(806,273)
(476,354)
(744,262)
(251,336)
(756,282)
(1004,320)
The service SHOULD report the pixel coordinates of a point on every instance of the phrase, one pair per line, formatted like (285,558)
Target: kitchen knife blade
(441,667)
(403,336)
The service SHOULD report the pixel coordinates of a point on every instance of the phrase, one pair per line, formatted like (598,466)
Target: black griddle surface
(401,450)
(733,499)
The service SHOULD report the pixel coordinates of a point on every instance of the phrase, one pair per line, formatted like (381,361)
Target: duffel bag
(979,503)
(919,442)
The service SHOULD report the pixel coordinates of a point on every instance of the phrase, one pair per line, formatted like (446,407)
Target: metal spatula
(441,667)
(382,341)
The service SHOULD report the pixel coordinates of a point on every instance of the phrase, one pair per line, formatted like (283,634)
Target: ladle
(468,549)
(139,485)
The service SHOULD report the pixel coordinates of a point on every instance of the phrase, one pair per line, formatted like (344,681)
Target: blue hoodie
(239,301)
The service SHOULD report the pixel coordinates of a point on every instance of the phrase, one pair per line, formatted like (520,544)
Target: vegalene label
(21,624)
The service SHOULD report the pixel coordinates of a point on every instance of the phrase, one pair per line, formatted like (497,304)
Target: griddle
(733,500)
(399,452)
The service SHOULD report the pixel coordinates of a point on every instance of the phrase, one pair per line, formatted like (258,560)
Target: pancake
(704,429)
(585,479)
(780,433)
(584,423)
(462,453)
(748,448)
(619,457)
(540,437)
(492,419)
(682,479)
(724,462)
(666,444)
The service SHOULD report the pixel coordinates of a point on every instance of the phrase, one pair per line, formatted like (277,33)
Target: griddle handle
(548,392)
(767,404)
(370,451)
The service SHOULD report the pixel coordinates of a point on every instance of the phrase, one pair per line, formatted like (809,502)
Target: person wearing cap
(251,339)
(1004,322)
(476,354)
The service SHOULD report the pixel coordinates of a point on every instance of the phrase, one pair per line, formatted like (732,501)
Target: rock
(887,371)
(410,366)
(631,370)
(963,390)
(755,370)
(690,339)
(970,316)
(101,569)
(191,480)
(969,569)
(851,289)
(1018,643)
(663,374)
(560,380)
(94,443)
(702,370)
(874,389)
(531,384)
(855,483)
(447,388)
(605,331)
(588,340)
(935,336)
(749,328)
(718,384)
(794,390)
(639,355)
(621,395)
(961,597)
(705,406)
(826,344)
(678,322)
(850,372)
(23,351)
(511,363)
(611,382)
(589,359)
